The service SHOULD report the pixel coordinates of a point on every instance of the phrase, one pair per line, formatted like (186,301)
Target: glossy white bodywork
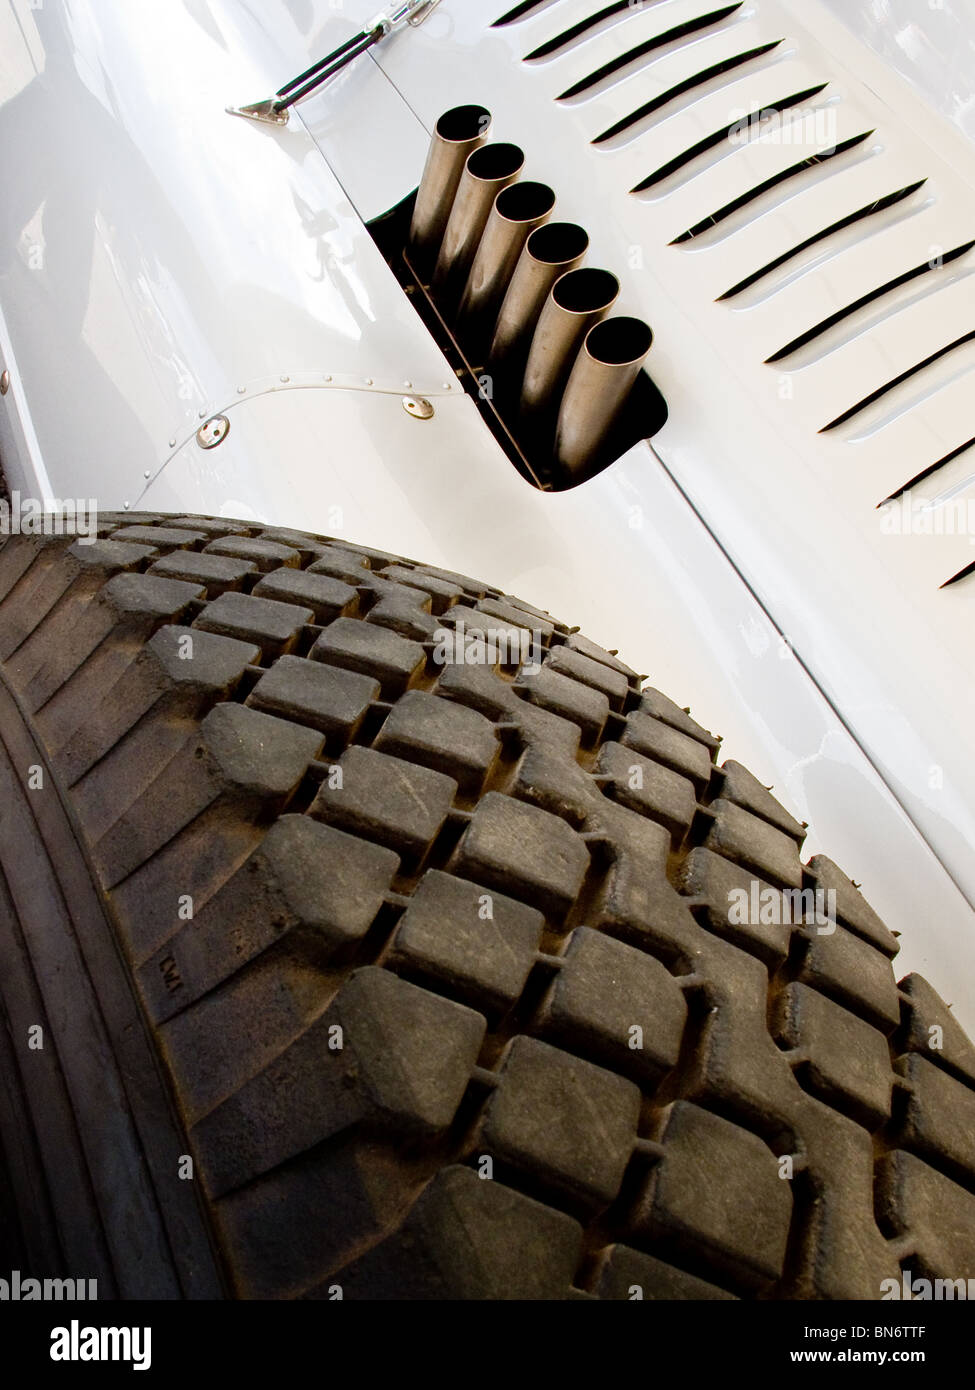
(162,261)
(931,45)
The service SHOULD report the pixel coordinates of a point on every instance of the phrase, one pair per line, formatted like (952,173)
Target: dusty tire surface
(352,947)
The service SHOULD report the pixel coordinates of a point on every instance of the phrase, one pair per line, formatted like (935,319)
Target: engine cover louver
(796,223)
(788,191)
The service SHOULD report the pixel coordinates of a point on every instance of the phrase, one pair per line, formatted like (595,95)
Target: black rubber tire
(331,967)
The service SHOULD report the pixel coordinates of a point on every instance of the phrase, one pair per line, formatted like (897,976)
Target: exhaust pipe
(487,171)
(549,253)
(456,135)
(517,211)
(577,301)
(601,379)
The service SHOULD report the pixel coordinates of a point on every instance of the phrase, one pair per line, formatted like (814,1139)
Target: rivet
(241,390)
(369,381)
(4,382)
(172,443)
(286,379)
(147,474)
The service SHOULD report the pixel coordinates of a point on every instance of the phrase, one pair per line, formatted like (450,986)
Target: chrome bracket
(275,110)
(423,13)
(263,111)
(412,12)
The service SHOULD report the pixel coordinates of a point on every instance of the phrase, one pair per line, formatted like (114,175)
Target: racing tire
(366,933)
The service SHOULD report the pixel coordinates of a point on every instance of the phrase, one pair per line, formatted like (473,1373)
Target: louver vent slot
(897,381)
(962,574)
(699,79)
(577,31)
(929,472)
(938,391)
(652,45)
(862,215)
(766,187)
(522,11)
(711,142)
(928,268)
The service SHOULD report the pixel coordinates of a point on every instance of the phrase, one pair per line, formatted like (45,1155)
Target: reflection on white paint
(932,45)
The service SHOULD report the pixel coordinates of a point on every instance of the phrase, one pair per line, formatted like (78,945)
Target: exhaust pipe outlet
(487,171)
(577,301)
(601,379)
(518,210)
(549,253)
(457,134)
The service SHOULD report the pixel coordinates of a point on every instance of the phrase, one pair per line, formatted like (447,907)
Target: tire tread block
(931,1029)
(375,651)
(727,892)
(327,598)
(523,851)
(662,743)
(403,1064)
(326,698)
(250,761)
(309,884)
(847,1062)
(273,626)
(393,802)
(648,788)
(916,1201)
(855,975)
(939,1118)
(216,573)
(568,1124)
(478,946)
(745,790)
(443,736)
(716,1194)
(617,1006)
(630,1274)
(469,1238)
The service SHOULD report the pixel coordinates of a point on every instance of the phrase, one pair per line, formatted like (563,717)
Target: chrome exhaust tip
(456,135)
(486,172)
(601,379)
(578,300)
(518,210)
(549,253)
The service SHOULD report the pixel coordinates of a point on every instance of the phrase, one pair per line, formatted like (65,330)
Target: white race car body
(163,262)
